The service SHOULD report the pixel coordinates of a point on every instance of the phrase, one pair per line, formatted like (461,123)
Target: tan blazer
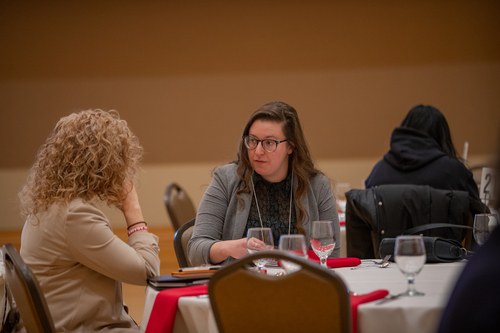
(80,264)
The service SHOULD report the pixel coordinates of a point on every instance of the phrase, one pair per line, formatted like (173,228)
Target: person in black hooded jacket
(422,153)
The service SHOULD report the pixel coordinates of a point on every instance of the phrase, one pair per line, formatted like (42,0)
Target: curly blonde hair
(89,155)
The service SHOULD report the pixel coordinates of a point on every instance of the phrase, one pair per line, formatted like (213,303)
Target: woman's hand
(257,244)
(220,251)
(130,206)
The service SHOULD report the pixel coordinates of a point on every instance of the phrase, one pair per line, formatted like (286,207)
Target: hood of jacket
(412,149)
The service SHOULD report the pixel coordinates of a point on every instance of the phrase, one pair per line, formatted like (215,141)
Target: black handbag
(437,249)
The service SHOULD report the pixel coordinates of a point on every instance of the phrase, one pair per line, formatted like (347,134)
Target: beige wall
(199,118)
(186,76)
(194,177)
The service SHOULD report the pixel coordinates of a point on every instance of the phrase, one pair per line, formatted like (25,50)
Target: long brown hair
(300,159)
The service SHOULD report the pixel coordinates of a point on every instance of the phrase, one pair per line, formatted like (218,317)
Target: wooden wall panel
(187,75)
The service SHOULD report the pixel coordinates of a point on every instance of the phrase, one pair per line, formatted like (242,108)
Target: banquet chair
(388,210)
(27,293)
(179,206)
(310,299)
(181,239)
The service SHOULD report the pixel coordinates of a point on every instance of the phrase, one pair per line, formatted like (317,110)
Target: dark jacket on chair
(415,158)
(389,210)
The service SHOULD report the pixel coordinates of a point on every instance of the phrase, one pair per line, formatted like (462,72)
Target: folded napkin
(365,298)
(165,307)
(335,262)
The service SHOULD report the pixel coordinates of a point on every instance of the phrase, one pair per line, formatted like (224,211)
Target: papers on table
(169,281)
(185,276)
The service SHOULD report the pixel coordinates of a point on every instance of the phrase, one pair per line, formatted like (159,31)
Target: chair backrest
(388,210)
(179,206)
(181,239)
(27,293)
(311,299)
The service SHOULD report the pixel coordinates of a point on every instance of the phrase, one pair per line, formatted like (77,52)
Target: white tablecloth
(405,314)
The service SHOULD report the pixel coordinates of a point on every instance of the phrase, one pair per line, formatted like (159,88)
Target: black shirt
(274,204)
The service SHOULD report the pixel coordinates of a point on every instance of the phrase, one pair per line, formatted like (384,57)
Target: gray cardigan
(220,217)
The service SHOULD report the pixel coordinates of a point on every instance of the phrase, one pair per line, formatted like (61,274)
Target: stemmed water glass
(483,226)
(409,253)
(322,240)
(259,239)
(294,245)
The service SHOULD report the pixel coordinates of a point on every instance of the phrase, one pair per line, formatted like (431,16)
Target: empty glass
(295,245)
(409,253)
(483,226)
(259,239)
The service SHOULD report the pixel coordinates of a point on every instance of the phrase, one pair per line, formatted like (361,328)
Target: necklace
(289,212)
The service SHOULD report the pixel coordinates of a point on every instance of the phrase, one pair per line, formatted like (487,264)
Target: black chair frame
(176,197)
(179,247)
(27,294)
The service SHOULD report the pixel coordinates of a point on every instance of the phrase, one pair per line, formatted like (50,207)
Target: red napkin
(365,298)
(162,315)
(335,262)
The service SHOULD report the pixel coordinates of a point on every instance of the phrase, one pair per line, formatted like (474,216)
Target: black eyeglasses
(269,145)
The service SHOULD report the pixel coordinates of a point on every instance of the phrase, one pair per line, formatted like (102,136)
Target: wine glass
(483,226)
(295,245)
(322,240)
(260,239)
(409,253)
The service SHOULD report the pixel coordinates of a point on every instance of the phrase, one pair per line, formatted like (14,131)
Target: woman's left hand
(130,207)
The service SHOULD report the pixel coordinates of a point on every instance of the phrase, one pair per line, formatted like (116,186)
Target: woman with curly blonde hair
(273,183)
(90,157)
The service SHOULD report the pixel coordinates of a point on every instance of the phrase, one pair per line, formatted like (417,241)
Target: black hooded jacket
(416,158)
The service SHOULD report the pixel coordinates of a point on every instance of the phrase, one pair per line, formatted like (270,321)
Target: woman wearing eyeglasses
(273,183)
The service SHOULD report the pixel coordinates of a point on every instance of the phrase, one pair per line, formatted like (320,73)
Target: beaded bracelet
(136,223)
(131,231)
